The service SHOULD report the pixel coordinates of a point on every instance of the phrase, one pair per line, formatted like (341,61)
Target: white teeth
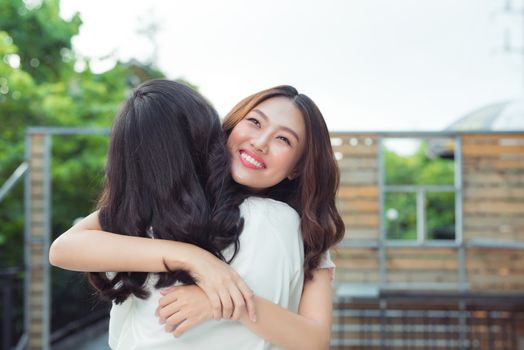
(250,159)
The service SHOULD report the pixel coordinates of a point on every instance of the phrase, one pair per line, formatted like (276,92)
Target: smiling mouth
(250,162)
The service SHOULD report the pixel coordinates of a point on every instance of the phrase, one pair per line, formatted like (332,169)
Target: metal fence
(415,320)
(12,289)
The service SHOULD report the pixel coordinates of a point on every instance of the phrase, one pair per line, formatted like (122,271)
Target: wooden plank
(492,163)
(358,192)
(36,164)
(501,271)
(512,236)
(369,177)
(490,150)
(348,206)
(489,266)
(421,276)
(494,207)
(496,279)
(349,150)
(441,252)
(492,221)
(354,253)
(360,276)
(357,264)
(493,193)
(491,136)
(504,172)
(422,262)
(494,180)
(350,163)
(355,233)
(496,253)
(361,220)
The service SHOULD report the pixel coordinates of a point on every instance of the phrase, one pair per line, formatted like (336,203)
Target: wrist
(179,256)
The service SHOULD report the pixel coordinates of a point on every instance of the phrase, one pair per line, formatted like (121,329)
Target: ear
(293,174)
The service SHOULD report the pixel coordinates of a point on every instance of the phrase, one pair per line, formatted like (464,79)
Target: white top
(270,260)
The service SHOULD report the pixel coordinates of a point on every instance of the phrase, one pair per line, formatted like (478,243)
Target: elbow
(326,344)
(323,342)
(318,345)
(320,342)
(56,255)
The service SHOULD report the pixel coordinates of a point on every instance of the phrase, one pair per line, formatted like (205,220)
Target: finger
(216,305)
(167,311)
(238,301)
(249,298)
(227,304)
(167,299)
(184,327)
(174,321)
(168,290)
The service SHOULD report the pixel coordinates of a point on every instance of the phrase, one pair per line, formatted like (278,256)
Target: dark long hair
(167,177)
(312,193)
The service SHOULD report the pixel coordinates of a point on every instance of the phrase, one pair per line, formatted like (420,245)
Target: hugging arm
(86,247)
(309,329)
(184,307)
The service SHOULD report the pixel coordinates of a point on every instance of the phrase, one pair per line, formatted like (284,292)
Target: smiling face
(266,145)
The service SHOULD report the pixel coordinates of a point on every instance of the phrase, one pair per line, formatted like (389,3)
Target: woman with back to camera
(280,124)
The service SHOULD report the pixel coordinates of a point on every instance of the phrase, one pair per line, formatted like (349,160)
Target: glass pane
(440,215)
(419,161)
(401,216)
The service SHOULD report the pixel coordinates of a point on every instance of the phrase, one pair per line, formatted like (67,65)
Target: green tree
(39,86)
(418,169)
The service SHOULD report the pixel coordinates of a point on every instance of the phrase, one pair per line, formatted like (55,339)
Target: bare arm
(85,247)
(309,329)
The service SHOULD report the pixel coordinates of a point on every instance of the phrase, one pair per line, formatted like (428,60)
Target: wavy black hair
(167,177)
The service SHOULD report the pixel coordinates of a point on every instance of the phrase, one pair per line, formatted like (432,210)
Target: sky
(387,65)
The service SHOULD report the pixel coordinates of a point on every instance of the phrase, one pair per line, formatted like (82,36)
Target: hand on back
(226,291)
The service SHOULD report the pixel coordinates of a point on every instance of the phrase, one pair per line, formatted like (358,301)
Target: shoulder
(267,218)
(270,210)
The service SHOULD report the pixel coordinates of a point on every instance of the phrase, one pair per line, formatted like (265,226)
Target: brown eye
(285,139)
(254,121)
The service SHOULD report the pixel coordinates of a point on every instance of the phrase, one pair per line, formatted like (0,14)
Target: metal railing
(405,320)
(13,179)
(11,282)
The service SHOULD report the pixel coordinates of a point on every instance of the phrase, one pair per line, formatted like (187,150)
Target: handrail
(7,276)
(13,179)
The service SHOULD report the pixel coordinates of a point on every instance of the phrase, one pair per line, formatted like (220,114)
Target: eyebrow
(263,115)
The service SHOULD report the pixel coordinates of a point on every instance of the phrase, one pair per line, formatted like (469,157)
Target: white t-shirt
(270,260)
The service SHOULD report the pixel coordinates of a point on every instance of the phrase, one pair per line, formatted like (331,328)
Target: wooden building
(464,292)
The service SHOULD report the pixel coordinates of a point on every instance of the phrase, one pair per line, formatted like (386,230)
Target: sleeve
(327,263)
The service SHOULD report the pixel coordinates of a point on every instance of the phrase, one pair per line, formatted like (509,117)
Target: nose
(260,143)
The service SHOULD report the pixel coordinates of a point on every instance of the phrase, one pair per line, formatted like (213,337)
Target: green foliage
(418,169)
(39,86)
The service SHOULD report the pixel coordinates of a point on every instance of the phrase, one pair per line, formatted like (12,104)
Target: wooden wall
(358,204)
(493,208)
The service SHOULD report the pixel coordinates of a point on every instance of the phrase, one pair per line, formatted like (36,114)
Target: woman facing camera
(273,224)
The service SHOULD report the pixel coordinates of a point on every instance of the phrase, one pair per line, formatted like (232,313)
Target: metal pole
(6,324)
(27,233)
(421,216)
(46,307)
(459,214)
(382,226)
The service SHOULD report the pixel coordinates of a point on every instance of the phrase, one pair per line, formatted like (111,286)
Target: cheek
(237,135)
(287,159)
